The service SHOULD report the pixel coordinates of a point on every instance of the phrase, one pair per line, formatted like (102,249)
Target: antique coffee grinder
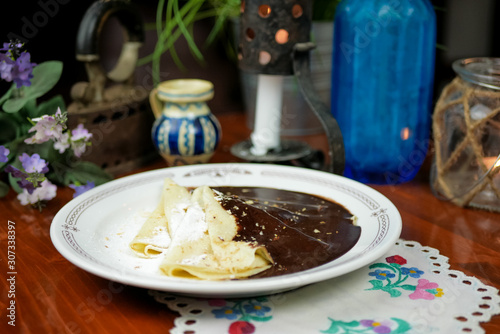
(275,42)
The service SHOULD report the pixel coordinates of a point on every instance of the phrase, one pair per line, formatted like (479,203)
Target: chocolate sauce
(299,230)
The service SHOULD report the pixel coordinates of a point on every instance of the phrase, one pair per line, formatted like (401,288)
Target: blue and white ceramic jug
(185,130)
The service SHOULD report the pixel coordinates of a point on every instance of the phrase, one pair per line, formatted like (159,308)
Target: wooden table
(54,296)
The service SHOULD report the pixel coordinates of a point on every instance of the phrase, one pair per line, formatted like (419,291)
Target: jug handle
(155,103)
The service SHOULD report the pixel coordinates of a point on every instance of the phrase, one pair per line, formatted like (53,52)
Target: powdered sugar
(116,238)
(192,261)
(189,222)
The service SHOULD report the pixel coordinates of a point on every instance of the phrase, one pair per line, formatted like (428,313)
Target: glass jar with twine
(466,130)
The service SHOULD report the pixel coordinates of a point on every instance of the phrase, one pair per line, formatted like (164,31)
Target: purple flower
(412,272)
(62,143)
(80,133)
(226,312)
(52,127)
(78,148)
(16,66)
(12,47)
(4,152)
(22,176)
(32,174)
(377,327)
(15,172)
(45,192)
(80,140)
(6,67)
(23,72)
(382,274)
(80,189)
(33,164)
(6,47)
(46,128)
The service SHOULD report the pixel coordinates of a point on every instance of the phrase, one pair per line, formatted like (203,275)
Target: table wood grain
(54,296)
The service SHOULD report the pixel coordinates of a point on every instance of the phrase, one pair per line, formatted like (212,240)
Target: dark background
(466,28)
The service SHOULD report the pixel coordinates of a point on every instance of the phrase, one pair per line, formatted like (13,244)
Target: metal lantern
(274,42)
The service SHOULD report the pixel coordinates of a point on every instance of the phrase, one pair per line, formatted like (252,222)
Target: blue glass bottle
(382,83)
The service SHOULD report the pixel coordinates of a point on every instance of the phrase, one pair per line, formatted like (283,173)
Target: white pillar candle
(267,125)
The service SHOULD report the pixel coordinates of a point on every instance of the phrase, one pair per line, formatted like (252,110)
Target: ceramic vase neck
(190,109)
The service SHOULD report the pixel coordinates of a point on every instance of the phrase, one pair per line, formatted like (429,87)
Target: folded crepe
(200,237)
(153,237)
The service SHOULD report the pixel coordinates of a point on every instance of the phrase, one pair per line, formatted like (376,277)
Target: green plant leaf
(85,171)
(45,150)
(4,189)
(49,107)
(28,108)
(45,77)
(14,185)
(7,94)
(9,129)
(57,172)
(183,27)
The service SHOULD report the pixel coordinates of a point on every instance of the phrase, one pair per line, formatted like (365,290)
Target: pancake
(225,233)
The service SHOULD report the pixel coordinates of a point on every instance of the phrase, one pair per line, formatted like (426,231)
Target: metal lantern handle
(336,153)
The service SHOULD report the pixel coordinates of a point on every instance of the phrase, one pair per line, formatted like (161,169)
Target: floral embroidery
(394,325)
(241,327)
(226,312)
(384,272)
(426,290)
(243,311)
(216,302)
(396,259)
(259,310)
(412,272)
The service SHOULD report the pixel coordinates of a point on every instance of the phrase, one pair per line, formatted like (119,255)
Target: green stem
(159,18)
(182,26)
(399,281)
(17,93)
(239,306)
(166,38)
(188,14)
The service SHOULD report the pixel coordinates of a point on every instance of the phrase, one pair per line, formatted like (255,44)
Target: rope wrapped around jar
(466,130)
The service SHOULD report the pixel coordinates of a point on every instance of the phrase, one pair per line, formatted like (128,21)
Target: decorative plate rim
(70,221)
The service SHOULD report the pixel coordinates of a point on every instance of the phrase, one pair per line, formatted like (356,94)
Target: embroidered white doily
(409,290)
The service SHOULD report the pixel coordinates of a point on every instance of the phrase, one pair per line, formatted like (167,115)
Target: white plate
(93,230)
